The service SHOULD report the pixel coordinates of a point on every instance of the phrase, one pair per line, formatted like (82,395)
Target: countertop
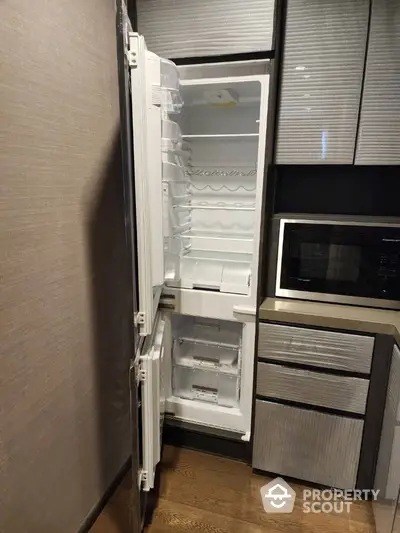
(332,316)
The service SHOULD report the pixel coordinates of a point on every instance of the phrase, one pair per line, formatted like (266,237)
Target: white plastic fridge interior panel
(146,118)
(213,368)
(152,365)
(224,125)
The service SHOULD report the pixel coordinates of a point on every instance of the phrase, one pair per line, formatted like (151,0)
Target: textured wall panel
(64,315)
(379,134)
(307,445)
(190,28)
(315,388)
(329,349)
(323,63)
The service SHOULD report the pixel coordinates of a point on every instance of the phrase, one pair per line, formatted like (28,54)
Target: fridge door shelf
(174,172)
(171,131)
(173,153)
(205,385)
(178,190)
(171,101)
(169,74)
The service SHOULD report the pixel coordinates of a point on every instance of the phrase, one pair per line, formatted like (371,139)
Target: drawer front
(336,392)
(326,349)
(304,444)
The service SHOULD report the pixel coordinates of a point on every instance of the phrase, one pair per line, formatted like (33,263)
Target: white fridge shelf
(221,206)
(219,136)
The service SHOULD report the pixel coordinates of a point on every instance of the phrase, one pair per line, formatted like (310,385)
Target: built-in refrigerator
(196,137)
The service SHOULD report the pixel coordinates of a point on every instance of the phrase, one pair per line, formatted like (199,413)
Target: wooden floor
(202,493)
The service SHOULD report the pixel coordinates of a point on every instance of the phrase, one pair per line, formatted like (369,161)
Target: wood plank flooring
(202,493)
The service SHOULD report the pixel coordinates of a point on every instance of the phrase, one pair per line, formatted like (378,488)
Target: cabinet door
(323,62)
(379,132)
(387,477)
(306,444)
(186,28)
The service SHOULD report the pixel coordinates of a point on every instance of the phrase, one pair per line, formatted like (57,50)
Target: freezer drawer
(336,392)
(205,385)
(329,349)
(305,444)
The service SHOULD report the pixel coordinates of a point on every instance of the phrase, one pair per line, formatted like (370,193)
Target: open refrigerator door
(152,359)
(154,88)
(151,101)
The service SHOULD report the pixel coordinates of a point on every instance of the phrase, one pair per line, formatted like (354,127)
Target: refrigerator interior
(209,174)
(206,360)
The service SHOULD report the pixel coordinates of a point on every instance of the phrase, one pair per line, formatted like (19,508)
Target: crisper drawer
(205,385)
(329,349)
(304,444)
(315,388)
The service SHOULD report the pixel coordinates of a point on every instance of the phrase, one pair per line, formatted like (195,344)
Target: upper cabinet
(323,64)
(379,132)
(186,28)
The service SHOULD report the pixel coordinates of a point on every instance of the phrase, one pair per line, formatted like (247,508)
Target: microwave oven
(338,259)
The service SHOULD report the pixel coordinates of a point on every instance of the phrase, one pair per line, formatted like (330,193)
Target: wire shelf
(222,187)
(213,344)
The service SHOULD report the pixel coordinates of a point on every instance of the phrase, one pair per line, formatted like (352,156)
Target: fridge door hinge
(139,318)
(141,373)
(142,477)
(132,58)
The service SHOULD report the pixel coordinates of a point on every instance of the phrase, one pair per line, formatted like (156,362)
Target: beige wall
(64,296)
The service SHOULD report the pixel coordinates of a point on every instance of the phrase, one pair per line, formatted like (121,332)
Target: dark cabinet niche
(338,189)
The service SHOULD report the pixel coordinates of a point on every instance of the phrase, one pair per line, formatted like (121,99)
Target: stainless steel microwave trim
(326,297)
(338,299)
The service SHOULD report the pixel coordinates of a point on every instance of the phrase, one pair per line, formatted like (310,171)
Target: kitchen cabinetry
(305,444)
(323,62)
(379,130)
(387,478)
(311,404)
(183,28)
